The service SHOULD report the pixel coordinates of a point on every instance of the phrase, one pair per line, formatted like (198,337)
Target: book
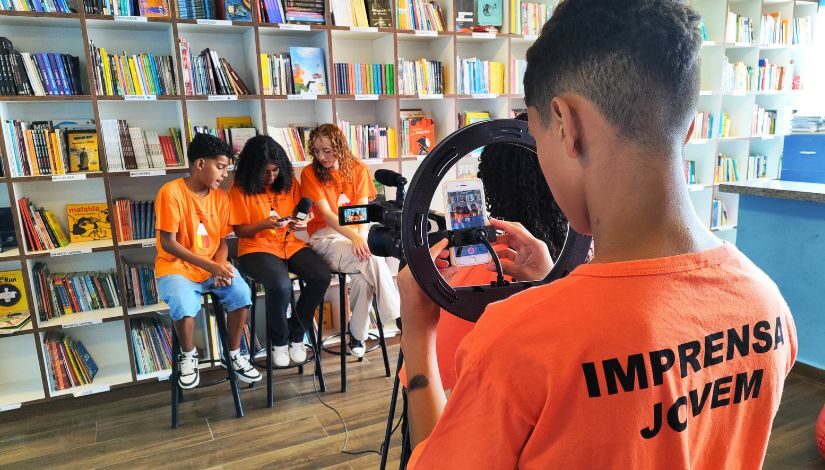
(308,70)
(490,12)
(238,10)
(151,344)
(139,280)
(370,141)
(380,14)
(363,79)
(422,76)
(417,132)
(480,76)
(83,151)
(68,361)
(42,230)
(293,140)
(13,300)
(209,74)
(59,294)
(423,15)
(88,222)
(38,74)
(137,74)
(238,137)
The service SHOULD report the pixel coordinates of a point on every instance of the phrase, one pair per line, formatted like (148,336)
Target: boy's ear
(564,116)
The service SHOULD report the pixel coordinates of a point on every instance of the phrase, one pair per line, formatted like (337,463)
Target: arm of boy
(171,246)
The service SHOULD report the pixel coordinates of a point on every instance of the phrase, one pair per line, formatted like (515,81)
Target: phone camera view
(355,215)
(467,211)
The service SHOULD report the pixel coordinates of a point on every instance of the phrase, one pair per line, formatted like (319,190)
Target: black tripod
(405,436)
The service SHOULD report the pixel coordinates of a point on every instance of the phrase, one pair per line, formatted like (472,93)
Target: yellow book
(267,74)
(107,73)
(83,151)
(393,143)
(55,227)
(88,222)
(58,153)
(133,70)
(12,293)
(228,122)
(31,154)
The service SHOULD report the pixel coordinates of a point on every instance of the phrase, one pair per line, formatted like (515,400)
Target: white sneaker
(188,372)
(244,370)
(297,352)
(280,357)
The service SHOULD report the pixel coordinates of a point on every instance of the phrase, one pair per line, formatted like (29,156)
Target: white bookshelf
(106,332)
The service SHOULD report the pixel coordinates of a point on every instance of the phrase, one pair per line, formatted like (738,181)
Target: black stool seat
(177,391)
(342,320)
(267,361)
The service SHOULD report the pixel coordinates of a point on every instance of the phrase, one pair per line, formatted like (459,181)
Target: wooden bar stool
(177,391)
(316,356)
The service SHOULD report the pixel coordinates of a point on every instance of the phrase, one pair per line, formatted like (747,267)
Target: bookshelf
(106,332)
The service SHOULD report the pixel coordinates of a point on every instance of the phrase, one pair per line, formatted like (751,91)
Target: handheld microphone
(390,178)
(301,211)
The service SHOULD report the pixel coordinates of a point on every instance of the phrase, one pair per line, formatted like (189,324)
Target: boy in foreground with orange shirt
(669,349)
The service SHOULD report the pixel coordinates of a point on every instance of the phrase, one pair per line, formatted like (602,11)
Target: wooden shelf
(80,319)
(144,243)
(148,309)
(72,249)
(26,98)
(132,98)
(63,178)
(10,254)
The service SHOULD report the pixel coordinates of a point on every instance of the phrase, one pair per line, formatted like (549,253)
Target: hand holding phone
(466,208)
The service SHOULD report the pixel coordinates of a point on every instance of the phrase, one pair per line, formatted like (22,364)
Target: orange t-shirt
(199,224)
(451,329)
(675,362)
(337,193)
(248,209)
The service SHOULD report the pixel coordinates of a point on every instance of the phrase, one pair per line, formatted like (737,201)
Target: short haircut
(207,146)
(258,152)
(636,60)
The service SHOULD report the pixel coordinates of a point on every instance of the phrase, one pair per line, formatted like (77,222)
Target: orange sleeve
(310,186)
(363,184)
(226,229)
(296,192)
(238,212)
(167,210)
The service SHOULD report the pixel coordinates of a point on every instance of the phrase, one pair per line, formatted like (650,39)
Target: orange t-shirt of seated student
(199,224)
(251,208)
(337,192)
(665,363)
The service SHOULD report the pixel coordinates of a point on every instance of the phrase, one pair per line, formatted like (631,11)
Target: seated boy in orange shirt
(192,221)
(670,349)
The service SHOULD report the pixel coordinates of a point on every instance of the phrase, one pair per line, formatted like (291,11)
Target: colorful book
(88,222)
(83,151)
(309,70)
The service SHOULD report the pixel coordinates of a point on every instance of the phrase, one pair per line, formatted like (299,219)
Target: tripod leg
(393,403)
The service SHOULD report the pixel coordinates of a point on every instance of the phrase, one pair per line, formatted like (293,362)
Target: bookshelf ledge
(158,307)
(143,243)
(132,19)
(366,97)
(77,248)
(16,393)
(294,27)
(160,375)
(80,319)
(434,96)
(426,33)
(215,22)
(306,96)
(10,406)
(11,253)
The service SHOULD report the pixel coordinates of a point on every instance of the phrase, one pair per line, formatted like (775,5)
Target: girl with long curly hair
(336,178)
(263,198)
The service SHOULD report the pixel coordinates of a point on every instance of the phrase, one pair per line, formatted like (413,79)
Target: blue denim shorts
(184,296)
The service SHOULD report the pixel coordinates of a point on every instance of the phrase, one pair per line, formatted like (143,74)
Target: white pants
(368,278)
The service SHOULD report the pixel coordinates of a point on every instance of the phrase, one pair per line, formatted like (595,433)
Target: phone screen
(466,209)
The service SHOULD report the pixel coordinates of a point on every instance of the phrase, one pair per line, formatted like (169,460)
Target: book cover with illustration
(422,135)
(238,137)
(154,8)
(88,222)
(490,13)
(13,301)
(308,70)
(238,10)
(83,151)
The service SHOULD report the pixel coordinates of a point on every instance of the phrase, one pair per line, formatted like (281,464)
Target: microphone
(390,178)
(301,211)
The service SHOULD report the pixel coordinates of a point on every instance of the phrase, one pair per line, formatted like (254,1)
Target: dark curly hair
(258,152)
(636,60)
(346,159)
(207,146)
(516,191)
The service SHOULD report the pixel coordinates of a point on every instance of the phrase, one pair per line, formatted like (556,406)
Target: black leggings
(273,273)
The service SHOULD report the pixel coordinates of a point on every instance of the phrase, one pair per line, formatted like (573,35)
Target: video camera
(384,237)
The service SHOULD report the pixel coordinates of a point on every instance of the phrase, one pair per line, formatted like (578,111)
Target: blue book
(490,12)
(273,11)
(60,74)
(308,70)
(45,72)
(91,366)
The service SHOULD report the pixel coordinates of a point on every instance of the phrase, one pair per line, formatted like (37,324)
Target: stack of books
(803,124)
(304,11)
(528,17)
(708,126)
(757,166)
(141,289)
(208,74)
(293,139)
(301,71)
(422,76)
(472,117)
(518,67)
(44,6)
(132,148)
(719,214)
(136,219)
(68,362)
(771,76)
(364,79)
(764,121)
(420,15)
(480,76)
(739,29)
(370,141)
(690,171)
(148,8)
(349,13)
(42,230)
(737,77)
(417,132)
(137,74)
(196,9)
(726,170)
(152,345)
(66,293)
(38,74)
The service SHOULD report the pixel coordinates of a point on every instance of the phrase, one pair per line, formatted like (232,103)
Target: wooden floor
(121,430)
